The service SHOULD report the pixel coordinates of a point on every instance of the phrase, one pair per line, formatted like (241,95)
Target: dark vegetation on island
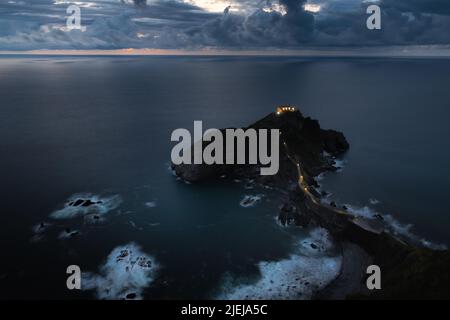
(306,150)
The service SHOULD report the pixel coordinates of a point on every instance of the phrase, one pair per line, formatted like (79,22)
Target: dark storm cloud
(339,23)
(138,3)
(111,24)
(260,28)
(417,21)
(404,22)
(419,6)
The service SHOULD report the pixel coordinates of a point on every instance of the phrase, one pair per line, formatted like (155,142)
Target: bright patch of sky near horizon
(214,5)
(220,5)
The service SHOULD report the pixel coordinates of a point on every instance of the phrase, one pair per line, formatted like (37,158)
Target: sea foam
(125,274)
(394,226)
(310,268)
(100,205)
(250,200)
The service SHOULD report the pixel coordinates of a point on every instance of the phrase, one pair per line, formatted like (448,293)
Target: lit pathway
(315,202)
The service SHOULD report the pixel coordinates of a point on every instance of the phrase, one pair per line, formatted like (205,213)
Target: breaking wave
(310,268)
(339,164)
(250,201)
(150,204)
(394,226)
(85,203)
(125,274)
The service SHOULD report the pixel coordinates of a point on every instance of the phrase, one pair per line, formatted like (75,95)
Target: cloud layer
(233,24)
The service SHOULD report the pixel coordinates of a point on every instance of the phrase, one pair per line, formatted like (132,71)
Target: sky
(228,25)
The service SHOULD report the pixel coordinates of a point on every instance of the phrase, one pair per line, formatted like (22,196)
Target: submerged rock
(68,233)
(41,227)
(287,214)
(249,201)
(125,274)
(85,204)
(131,296)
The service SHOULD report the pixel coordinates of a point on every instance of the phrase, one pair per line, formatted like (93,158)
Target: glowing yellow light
(282,109)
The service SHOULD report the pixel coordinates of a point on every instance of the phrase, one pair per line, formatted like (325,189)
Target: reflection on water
(92,128)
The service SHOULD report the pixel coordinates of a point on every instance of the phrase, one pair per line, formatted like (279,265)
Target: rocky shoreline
(306,151)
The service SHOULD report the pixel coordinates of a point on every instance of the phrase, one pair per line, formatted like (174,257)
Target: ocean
(100,127)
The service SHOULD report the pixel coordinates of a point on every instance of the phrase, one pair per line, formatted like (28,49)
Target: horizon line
(362,52)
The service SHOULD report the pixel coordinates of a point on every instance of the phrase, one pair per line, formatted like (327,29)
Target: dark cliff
(304,135)
(306,150)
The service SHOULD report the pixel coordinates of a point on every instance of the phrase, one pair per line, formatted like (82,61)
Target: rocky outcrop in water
(313,146)
(306,150)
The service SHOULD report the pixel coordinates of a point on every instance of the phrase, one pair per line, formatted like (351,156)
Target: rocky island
(307,150)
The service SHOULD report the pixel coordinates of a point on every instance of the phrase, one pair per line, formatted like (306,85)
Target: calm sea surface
(102,125)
